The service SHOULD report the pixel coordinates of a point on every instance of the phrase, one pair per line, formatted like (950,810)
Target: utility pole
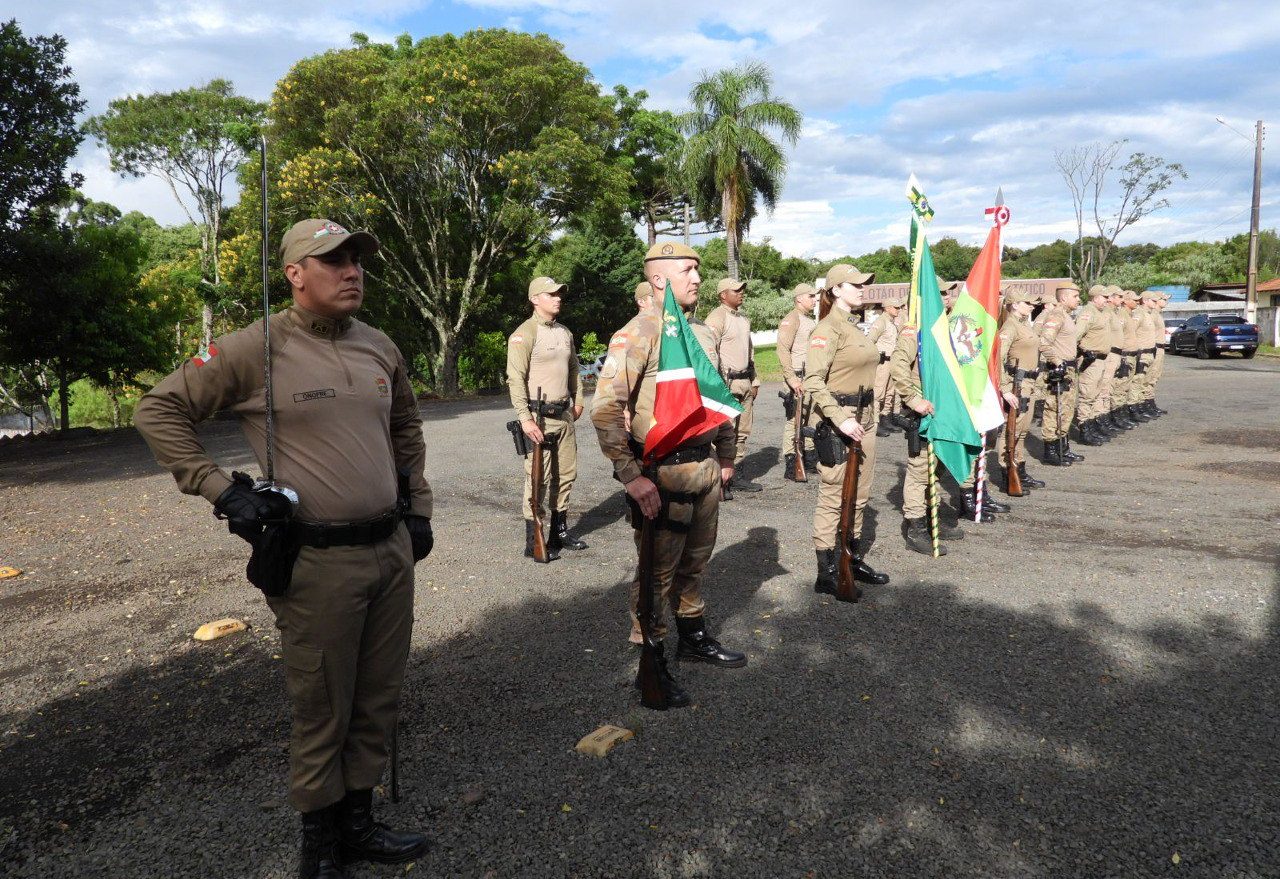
(686,224)
(1251,281)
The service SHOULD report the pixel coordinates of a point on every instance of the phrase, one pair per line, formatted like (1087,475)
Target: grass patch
(1270,350)
(767,367)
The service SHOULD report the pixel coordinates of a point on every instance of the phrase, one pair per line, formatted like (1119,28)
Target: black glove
(243,506)
(420,534)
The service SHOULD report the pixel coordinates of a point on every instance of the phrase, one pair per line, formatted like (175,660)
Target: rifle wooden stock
(797,467)
(540,552)
(652,692)
(847,588)
(1012,481)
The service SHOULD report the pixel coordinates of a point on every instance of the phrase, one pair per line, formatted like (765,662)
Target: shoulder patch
(205,356)
(817,341)
(788,322)
(609,368)
(908,331)
(618,341)
(516,338)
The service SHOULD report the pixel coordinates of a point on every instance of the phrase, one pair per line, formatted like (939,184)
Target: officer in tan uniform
(793,347)
(904,367)
(1144,349)
(1058,354)
(1155,301)
(644,297)
(345,421)
(732,330)
(883,333)
(1093,342)
(1116,379)
(541,356)
(1126,370)
(839,378)
(688,481)
(1021,350)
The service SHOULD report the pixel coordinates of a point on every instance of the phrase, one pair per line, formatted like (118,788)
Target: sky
(967,96)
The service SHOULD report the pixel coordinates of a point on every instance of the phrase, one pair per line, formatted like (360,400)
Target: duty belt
(1161,346)
(1021,373)
(1119,351)
(550,408)
(868,396)
(346,534)
(689,455)
(749,372)
(1093,355)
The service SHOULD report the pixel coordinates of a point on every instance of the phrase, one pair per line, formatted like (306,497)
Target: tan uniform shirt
(1115,321)
(1057,336)
(626,386)
(842,360)
(884,334)
(541,354)
(733,344)
(1129,322)
(1021,347)
(1145,329)
(793,343)
(345,415)
(707,338)
(1093,329)
(904,366)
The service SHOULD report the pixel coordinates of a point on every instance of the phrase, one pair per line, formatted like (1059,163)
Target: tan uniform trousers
(742,425)
(789,431)
(1138,390)
(344,628)
(1153,377)
(826,518)
(1090,396)
(559,466)
(1121,383)
(682,545)
(886,391)
(1109,367)
(1049,427)
(1023,427)
(915,484)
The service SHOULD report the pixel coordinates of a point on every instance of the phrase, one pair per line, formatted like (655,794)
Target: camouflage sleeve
(726,443)
(624,368)
(407,443)
(822,347)
(786,341)
(519,351)
(167,416)
(902,366)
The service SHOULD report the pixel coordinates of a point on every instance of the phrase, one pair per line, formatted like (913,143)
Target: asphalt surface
(1087,688)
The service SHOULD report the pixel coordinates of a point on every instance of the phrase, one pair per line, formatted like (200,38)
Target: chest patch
(205,356)
(384,389)
(321,394)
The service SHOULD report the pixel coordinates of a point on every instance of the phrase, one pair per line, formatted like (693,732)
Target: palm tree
(731,157)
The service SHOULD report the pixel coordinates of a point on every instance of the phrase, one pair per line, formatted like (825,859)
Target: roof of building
(1272,286)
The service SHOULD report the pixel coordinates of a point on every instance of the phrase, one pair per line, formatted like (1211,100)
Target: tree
(601,264)
(38,135)
(1143,178)
(649,143)
(731,156)
(461,153)
(194,141)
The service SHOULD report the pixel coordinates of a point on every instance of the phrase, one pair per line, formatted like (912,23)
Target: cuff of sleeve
(420,507)
(524,415)
(214,485)
(915,398)
(627,471)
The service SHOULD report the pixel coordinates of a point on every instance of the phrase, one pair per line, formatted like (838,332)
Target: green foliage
(1130,275)
(649,145)
(590,347)
(91,405)
(602,264)
(1042,261)
(484,363)
(38,134)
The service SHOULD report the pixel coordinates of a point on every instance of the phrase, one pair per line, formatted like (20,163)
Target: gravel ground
(1086,689)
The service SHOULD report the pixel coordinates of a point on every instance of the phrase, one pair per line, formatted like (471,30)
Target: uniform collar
(543,323)
(318,326)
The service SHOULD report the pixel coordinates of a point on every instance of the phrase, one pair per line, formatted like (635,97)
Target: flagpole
(980,483)
(933,501)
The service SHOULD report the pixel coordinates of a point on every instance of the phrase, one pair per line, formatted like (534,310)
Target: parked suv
(1208,335)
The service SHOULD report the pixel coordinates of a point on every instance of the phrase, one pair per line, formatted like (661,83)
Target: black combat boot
(920,539)
(863,572)
(1004,485)
(1028,479)
(882,427)
(697,645)
(1053,455)
(552,553)
(1104,428)
(789,467)
(1136,414)
(1067,453)
(320,857)
(561,538)
(826,582)
(1088,434)
(676,697)
(1121,420)
(363,839)
(970,507)
(1156,408)
(811,460)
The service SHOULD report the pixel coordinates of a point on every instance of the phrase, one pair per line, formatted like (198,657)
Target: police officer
(1058,352)
(1155,301)
(1021,349)
(687,488)
(1144,349)
(793,346)
(736,354)
(883,333)
(1093,342)
(541,356)
(347,419)
(839,377)
(904,368)
(644,297)
(1115,381)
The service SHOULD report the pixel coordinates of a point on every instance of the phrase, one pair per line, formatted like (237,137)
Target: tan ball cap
(1129,295)
(945,286)
(896,301)
(844,273)
(643,290)
(672,250)
(1020,296)
(317,236)
(730,284)
(803,290)
(1065,287)
(1099,290)
(545,285)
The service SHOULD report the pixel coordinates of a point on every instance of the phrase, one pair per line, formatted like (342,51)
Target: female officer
(839,378)
(1021,348)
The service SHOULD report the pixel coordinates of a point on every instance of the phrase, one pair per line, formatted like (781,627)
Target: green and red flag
(982,302)
(690,398)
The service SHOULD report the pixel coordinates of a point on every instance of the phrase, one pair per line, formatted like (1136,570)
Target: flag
(980,304)
(690,397)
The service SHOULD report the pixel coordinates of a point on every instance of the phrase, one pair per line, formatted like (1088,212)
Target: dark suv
(1208,335)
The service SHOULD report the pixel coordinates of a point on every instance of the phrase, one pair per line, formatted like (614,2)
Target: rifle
(846,587)
(797,467)
(1057,408)
(540,553)
(1012,480)
(652,692)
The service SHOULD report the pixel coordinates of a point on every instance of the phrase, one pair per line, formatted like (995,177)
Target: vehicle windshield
(1174,321)
(1226,319)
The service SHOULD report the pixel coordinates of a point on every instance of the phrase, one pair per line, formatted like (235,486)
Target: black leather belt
(868,396)
(688,455)
(347,534)
(749,372)
(1117,351)
(1022,373)
(1164,347)
(550,408)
